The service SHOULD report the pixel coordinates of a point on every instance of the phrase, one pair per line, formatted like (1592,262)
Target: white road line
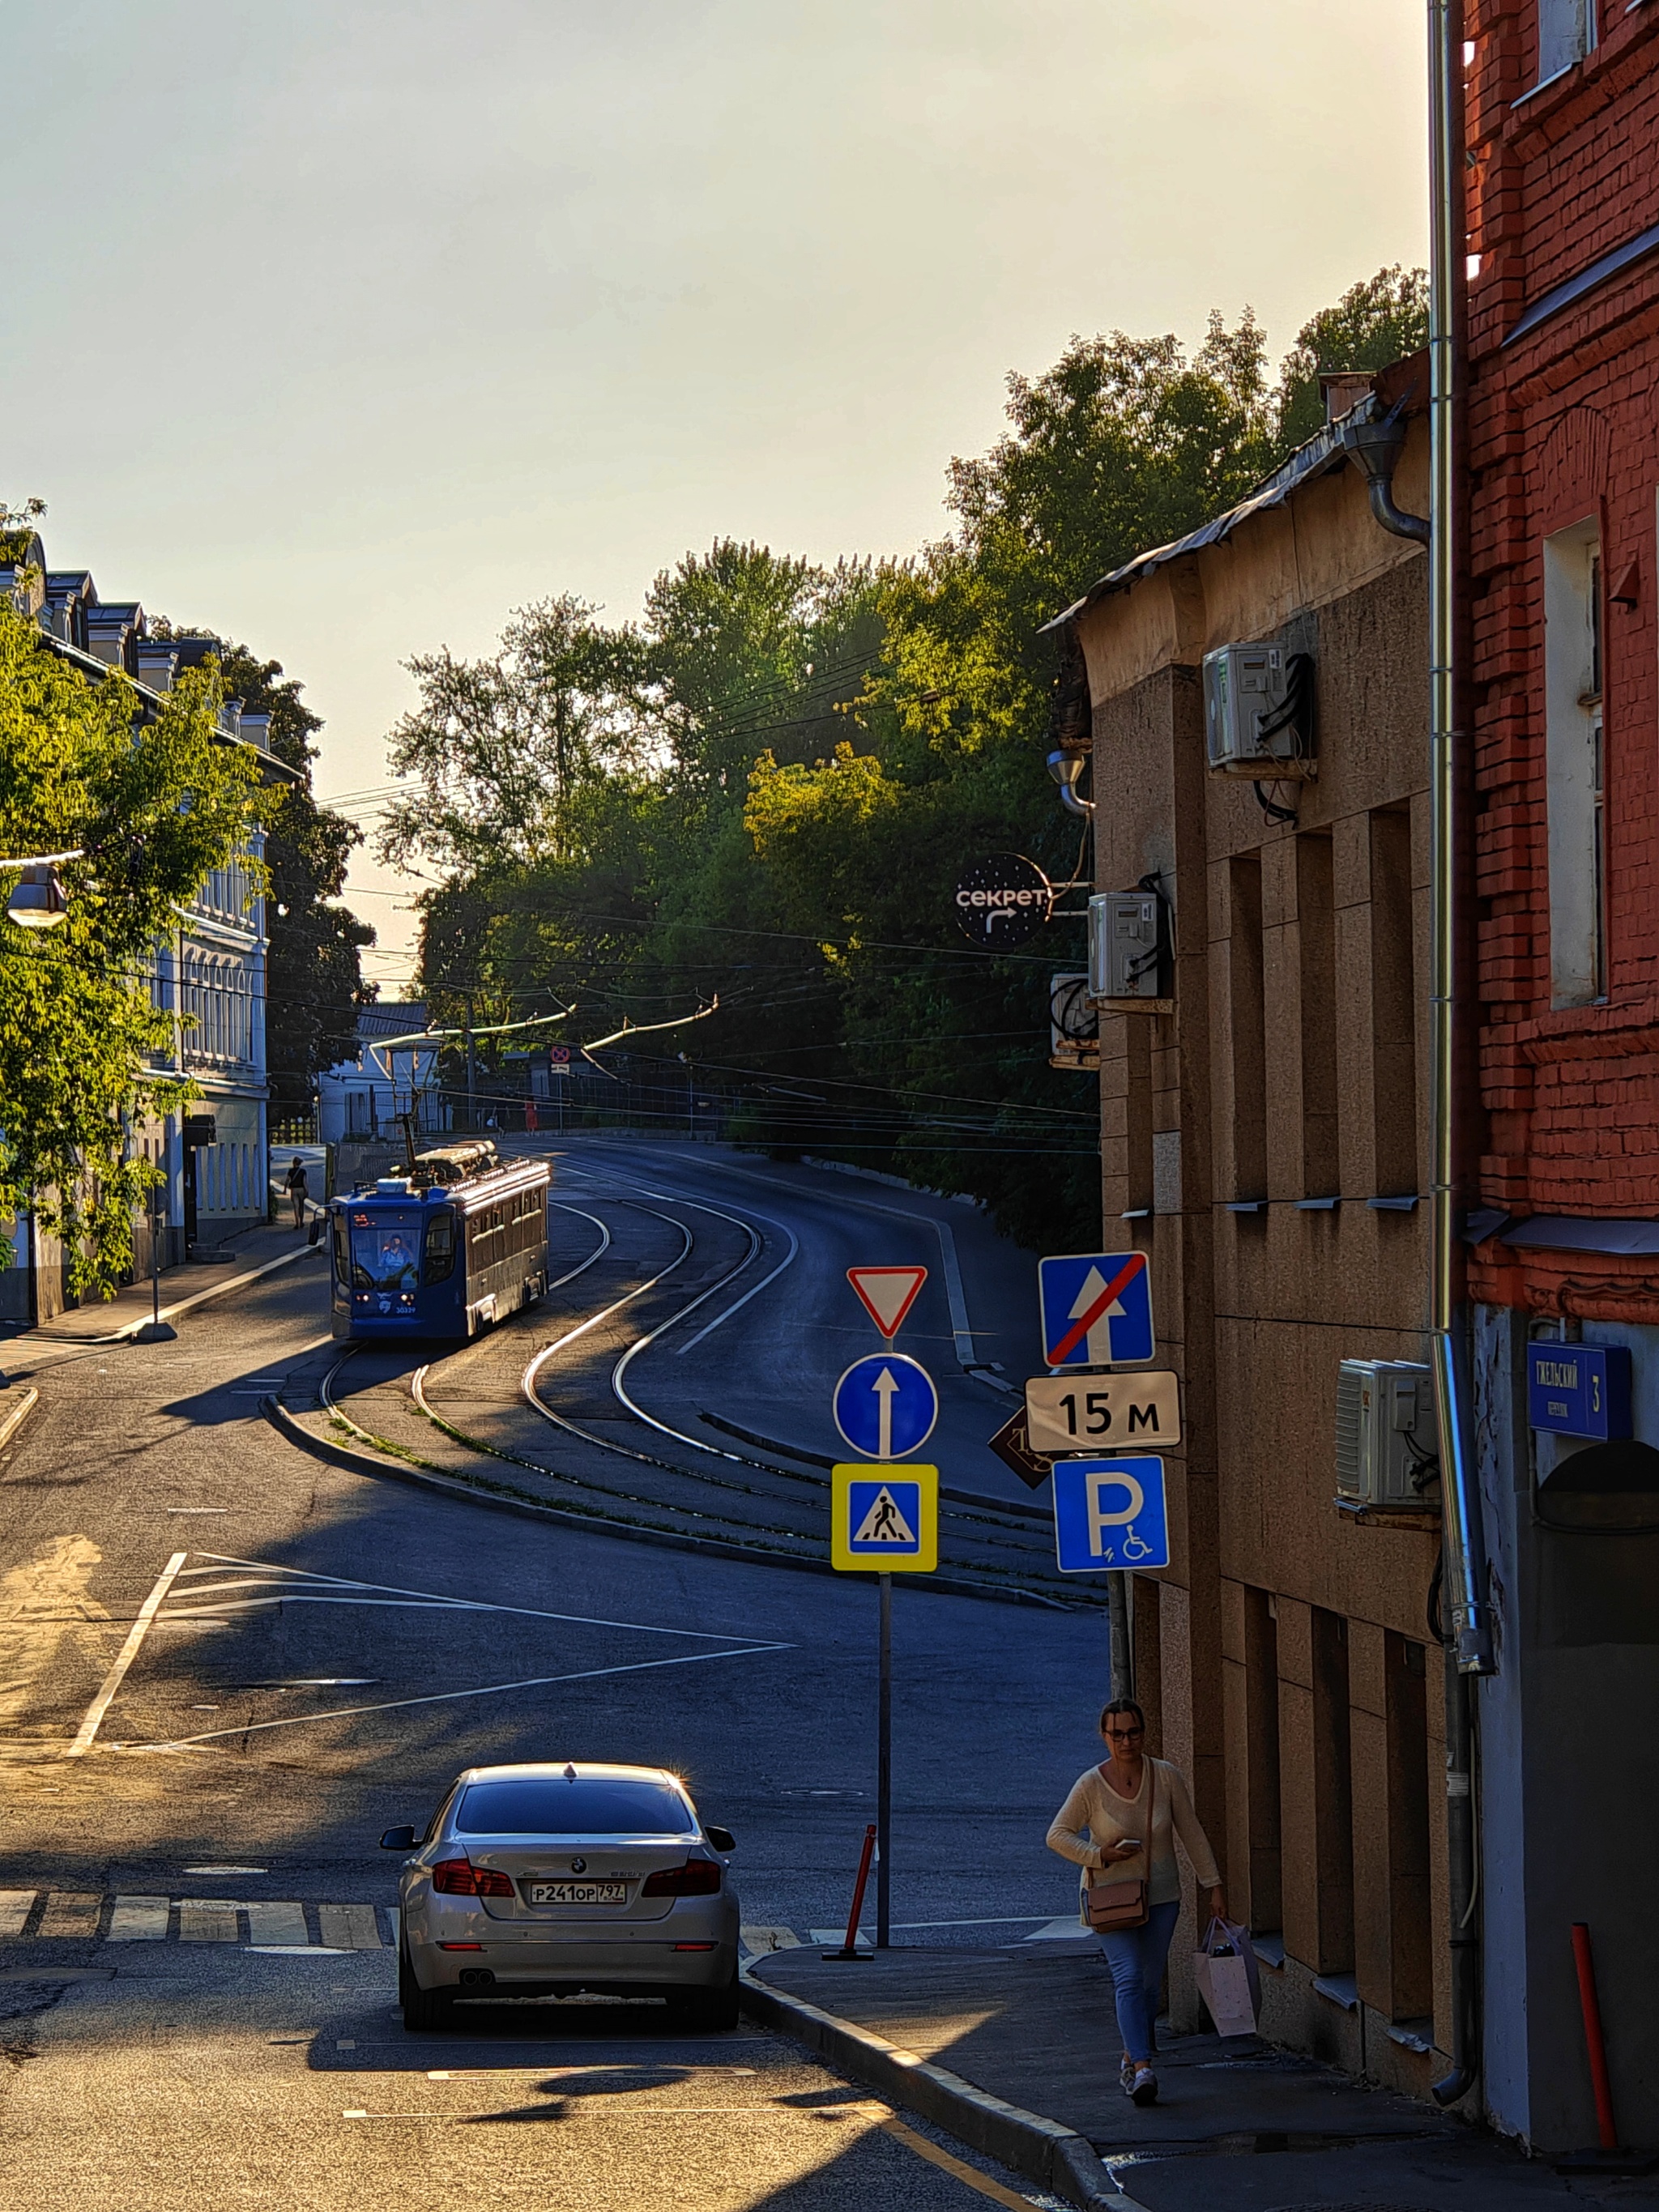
(681,1350)
(15,1906)
(459,1604)
(450,1697)
(280,1924)
(125,1657)
(138,1920)
(960,1326)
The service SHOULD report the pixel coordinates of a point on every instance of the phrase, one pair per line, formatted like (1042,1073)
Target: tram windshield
(385,1255)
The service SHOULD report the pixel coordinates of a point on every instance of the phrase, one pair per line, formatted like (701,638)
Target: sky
(345,330)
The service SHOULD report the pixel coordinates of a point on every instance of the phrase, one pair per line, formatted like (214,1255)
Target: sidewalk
(257,1251)
(1017,2054)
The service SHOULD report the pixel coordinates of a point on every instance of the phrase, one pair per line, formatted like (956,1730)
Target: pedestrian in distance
(1120,1821)
(295,1184)
(532,1119)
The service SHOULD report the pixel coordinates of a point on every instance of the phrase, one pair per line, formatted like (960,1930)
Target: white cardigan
(1094,1805)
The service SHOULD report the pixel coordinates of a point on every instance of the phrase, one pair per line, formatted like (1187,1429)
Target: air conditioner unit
(1385,1433)
(1073,1025)
(1128,946)
(1258,711)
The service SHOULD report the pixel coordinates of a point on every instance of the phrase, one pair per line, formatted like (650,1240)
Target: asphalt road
(332,1646)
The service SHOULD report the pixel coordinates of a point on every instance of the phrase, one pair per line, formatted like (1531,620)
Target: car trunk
(608,1865)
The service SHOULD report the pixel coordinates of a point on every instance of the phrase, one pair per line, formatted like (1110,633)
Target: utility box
(1127,946)
(1258,711)
(1073,1026)
(1386,1436)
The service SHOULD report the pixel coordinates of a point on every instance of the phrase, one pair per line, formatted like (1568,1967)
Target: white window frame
(1574,775)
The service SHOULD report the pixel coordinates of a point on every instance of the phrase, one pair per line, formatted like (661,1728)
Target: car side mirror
(722,1838)
(397,1839)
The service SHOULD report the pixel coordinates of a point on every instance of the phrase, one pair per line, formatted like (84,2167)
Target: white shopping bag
(1223,1979)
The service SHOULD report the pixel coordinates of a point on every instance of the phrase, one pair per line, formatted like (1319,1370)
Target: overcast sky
(344,329)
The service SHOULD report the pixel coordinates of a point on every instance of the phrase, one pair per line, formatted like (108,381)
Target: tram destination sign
(1002,901)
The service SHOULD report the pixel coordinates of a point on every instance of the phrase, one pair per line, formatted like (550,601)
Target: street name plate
(1076,1413)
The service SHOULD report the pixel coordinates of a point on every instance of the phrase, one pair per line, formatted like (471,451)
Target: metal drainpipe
(1469,1637)
(1469,1648)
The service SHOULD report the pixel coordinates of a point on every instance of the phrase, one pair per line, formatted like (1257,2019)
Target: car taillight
(460,1878)
(696,1878)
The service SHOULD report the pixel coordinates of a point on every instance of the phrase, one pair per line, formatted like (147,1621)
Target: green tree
(314,984)
(1383,320)
(154,805)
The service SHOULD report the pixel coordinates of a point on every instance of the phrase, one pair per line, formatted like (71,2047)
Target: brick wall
(1562,426)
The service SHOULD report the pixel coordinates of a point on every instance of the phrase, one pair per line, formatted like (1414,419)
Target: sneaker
(1126,2076)
(1145,2088)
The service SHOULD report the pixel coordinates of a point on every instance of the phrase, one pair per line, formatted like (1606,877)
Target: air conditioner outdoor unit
(1073,1025)
(1128,945)
(1258,711)
(1385,1433)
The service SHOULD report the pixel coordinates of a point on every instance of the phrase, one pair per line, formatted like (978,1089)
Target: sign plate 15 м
(1103,1412)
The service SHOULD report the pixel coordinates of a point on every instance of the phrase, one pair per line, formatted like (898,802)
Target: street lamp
(39,900)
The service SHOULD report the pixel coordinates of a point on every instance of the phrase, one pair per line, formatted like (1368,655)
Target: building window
(1575,779)
(1567,31)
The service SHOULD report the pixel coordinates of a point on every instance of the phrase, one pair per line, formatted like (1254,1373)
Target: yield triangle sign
(884,1523)
(887,1293)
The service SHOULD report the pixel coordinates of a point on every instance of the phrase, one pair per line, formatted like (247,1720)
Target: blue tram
(458,1241)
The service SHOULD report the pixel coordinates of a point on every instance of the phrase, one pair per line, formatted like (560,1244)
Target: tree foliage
(778,773)
(154,806)
(1383,320)
(314,984)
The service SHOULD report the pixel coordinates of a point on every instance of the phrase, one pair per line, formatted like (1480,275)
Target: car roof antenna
(569,1773)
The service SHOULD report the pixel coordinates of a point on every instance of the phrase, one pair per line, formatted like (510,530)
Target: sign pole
(884,1767)
(1117,1607)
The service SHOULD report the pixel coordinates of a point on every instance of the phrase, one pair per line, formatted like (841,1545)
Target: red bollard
(1590,2006)
(849,1949)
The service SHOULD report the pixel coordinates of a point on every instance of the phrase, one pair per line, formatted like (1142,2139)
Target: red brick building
(1561,166)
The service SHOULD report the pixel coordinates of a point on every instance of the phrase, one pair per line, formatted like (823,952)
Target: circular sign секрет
(1002,901)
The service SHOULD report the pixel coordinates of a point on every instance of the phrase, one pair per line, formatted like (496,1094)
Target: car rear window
(587,1807)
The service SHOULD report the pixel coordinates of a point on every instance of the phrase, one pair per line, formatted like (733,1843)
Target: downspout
(1375,446)
(1469,1648)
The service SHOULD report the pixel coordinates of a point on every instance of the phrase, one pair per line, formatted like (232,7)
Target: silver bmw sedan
(553,1881)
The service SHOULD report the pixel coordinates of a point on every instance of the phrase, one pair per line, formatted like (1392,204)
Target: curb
(12,1418)
(183,1305)
(426,1477)
(1055,2157)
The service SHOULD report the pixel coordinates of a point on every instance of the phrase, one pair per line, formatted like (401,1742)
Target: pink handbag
(1124,1903)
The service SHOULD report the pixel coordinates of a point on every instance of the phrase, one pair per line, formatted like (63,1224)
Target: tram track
(730,1497)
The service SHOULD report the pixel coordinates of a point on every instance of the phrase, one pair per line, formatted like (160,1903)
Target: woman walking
(1125,1804)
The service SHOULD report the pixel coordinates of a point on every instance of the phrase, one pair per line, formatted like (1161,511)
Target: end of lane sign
(884,1519)
(1097,1309)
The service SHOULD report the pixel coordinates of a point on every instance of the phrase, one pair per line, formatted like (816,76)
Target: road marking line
(279,1924)
(138,1920)
(125,1657)
(15,1906)
(71,1912)
(349,1927)
(1056,1930)
(448,1697)
(758,1941)
(460,1604)
(207,1920)
(889,2125)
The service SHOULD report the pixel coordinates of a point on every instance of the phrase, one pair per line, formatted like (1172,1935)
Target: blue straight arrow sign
(885,1404)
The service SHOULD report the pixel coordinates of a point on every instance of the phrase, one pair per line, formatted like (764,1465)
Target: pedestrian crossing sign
(886,1518)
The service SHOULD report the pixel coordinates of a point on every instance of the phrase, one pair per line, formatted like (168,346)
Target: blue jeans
(1136,1957)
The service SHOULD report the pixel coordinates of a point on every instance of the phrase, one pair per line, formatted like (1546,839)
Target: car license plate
(578,1892)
